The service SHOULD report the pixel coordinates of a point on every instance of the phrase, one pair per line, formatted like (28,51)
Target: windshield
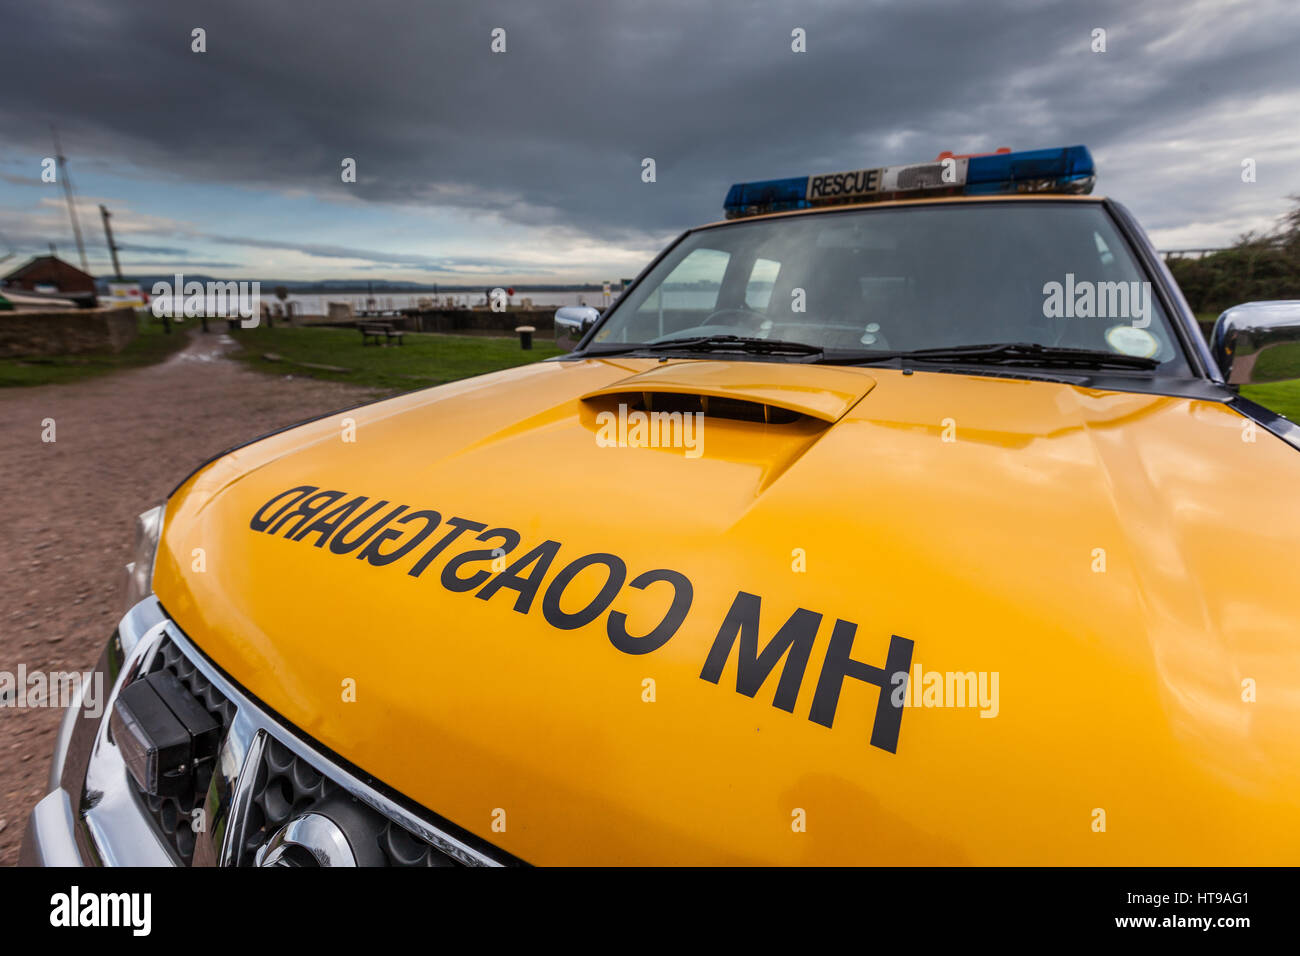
(1055,274)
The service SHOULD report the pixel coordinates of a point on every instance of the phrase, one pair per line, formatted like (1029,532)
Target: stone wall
(32,333)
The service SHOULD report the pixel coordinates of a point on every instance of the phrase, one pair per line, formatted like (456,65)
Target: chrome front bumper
(94,815)
(50,839)
(55,836)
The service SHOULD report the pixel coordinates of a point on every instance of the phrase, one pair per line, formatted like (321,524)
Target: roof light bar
(1066,169)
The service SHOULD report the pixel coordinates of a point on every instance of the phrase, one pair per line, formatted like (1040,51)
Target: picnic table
(373,330)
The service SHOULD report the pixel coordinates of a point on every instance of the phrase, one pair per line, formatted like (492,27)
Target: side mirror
(572,323)
(1258,342)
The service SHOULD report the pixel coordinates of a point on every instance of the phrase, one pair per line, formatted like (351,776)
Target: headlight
(139,573)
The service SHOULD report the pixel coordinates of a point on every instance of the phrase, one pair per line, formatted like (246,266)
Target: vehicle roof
(919,201)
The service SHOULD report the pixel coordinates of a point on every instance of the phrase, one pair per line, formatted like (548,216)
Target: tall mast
(112,247)
(67,192)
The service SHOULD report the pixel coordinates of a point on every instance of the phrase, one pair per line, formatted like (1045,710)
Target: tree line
(1258,266)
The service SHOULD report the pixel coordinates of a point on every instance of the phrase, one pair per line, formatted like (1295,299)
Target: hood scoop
(768,392)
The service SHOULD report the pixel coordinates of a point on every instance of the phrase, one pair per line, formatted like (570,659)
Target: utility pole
(67,192)
(108,234)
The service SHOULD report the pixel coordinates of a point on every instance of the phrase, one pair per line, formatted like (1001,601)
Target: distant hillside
(317,286)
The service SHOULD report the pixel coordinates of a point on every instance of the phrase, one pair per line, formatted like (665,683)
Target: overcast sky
(478,167)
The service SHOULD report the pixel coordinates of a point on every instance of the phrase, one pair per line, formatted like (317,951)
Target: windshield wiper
(1003,353)
(996,353)
(710,343)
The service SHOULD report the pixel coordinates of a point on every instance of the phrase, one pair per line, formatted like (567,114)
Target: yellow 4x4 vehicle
(902,517)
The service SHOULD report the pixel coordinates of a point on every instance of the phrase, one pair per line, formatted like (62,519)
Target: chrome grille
(265,773)
(285,785)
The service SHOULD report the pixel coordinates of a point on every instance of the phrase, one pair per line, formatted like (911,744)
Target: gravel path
(66,508)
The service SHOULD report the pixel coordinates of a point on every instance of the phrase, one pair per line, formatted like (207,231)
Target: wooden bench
(373,330)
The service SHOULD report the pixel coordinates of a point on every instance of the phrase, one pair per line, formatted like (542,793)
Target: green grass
(423,358)
(1280,362)
(150,346)
(1283,363)
(1281,397)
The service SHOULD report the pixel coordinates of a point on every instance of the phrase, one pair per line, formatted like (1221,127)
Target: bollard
(525,336)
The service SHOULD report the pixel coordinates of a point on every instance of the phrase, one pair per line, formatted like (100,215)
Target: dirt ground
(123,441)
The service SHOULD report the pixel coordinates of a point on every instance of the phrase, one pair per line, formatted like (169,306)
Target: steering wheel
(850,335)
(746,317)
(712,327)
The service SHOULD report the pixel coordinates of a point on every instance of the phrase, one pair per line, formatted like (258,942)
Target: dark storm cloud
(553,131)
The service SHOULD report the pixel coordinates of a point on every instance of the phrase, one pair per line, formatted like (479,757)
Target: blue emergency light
(1067,169)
